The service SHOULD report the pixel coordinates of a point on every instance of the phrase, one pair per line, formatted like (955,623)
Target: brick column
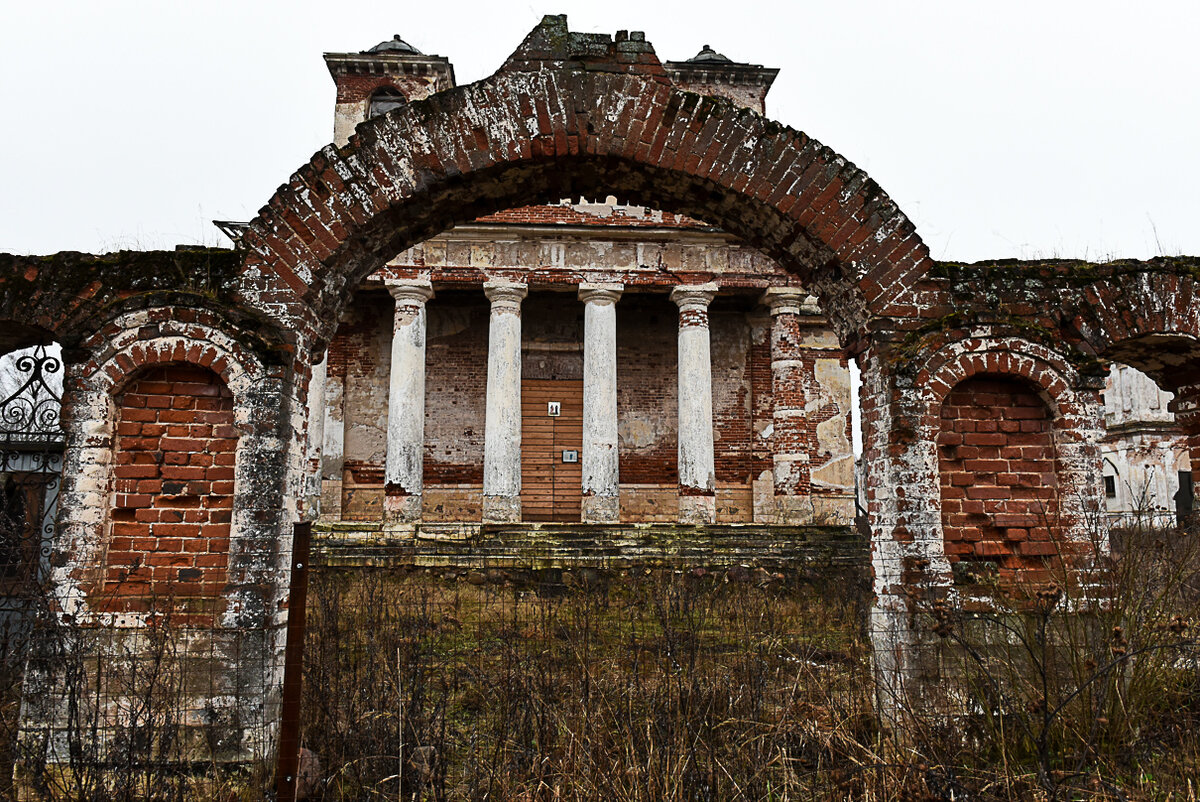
(813,452)
(762,424)
(601,490)
(790,436)
(903,503)
(403,472)
(502,422)
(697,471)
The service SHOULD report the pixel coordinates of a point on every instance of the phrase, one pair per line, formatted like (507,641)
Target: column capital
(790,301)
(409,290)
(505,295)
(693,297)
(600,293)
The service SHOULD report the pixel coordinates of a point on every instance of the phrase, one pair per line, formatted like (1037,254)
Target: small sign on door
(570,456)
(554,408)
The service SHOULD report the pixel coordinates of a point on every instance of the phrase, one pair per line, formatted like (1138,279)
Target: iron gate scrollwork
(31,455)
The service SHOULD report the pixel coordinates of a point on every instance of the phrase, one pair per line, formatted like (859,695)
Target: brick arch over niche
(572,115)
(1017,455)
(172,364)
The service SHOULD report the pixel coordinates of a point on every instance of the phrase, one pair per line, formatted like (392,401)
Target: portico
(527,396)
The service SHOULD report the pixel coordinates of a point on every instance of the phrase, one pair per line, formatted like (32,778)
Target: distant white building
(1145,452)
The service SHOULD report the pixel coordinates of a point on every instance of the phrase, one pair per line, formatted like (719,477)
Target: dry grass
(652,685)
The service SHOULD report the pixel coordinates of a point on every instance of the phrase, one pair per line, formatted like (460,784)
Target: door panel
(550,487)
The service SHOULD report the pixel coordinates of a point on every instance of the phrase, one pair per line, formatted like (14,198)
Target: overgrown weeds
(1085,684)
(648,684)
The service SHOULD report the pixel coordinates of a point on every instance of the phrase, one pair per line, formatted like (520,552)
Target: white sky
(1014,129)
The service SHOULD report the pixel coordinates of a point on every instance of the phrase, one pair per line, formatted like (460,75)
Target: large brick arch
(548,126)
(1149,319)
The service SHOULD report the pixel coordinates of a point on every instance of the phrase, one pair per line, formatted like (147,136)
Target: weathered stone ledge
(565,545)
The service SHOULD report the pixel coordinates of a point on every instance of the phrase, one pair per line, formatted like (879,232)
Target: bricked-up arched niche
(1017,456)
(571,115)
(169,488)
(172,506)
(999,476)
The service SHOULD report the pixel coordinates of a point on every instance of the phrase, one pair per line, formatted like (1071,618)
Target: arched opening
(384,100)
(172,506)
(31,450)
(998,468)
(779,382)
(1145,450)
(1152,401)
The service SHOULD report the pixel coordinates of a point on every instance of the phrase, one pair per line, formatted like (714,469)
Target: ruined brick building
(638,366)
(420,342)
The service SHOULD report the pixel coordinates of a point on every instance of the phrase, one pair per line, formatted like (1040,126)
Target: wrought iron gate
(31,454)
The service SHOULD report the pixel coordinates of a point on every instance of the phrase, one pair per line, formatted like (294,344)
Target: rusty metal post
(293,665)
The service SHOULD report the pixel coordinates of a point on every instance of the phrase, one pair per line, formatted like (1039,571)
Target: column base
(697,509)
(833,510)
(399,509)
(501,509)
(600,509)
(331,499)
(794,510)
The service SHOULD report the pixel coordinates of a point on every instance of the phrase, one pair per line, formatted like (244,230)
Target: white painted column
(502,423)
(601,490)
(333,447)
(404,469)
(697,466)
(316,439)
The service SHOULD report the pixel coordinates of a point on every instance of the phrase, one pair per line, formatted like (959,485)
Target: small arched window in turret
(384,100)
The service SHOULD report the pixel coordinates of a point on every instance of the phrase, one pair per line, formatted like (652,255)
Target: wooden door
(551,448)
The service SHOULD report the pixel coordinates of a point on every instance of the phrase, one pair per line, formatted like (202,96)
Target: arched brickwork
(1071,402)
(1149,319)
(147,350)
(541,129)
(902,423)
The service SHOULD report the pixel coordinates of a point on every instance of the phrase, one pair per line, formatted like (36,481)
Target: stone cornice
(384,64)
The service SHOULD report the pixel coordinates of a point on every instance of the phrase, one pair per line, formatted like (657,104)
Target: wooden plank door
(550,480)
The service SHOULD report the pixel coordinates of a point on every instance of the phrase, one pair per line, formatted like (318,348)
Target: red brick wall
(363,349)
(732,395)
(761,397)
(647,356)
(456,353)
(356,88)
(998,468)
(173,471)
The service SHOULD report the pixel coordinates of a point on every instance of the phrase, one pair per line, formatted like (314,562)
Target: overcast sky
(1014,129)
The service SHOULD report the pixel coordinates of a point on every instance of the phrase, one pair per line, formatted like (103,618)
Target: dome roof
(707,54)
(395,45)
